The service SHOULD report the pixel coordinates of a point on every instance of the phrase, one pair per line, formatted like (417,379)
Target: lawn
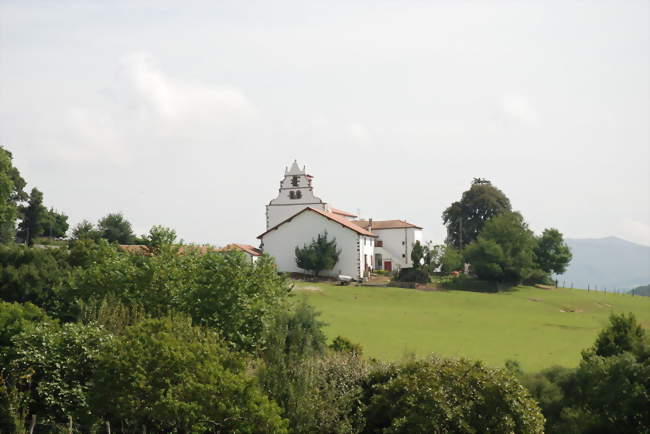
(537,327)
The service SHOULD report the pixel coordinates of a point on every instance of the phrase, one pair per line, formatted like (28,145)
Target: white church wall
(366,252)
(281,243)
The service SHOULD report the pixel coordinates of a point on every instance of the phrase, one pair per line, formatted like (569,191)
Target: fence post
(33,425)
(108,427)
(70,424)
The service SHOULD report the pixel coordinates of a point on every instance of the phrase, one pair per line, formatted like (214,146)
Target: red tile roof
(385,224)
(343,213)
(331,216)
(253,251)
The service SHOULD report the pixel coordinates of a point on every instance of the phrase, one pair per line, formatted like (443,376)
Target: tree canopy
(465,219)
(11,194)
(115,228)
(552,255)
(321,254)
(503,251)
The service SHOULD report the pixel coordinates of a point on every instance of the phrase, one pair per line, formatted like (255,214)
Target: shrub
(442,395)
(417,275)
(342,344)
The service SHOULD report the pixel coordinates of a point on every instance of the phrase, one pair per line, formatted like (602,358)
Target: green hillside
(537,327)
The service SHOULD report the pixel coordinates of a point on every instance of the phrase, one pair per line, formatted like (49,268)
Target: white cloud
(517,108)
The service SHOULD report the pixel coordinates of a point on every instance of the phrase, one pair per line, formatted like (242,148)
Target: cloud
(517,108)
(635,231)
(145,107)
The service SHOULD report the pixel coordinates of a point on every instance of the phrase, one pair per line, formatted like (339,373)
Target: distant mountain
(610,263)
(641,290)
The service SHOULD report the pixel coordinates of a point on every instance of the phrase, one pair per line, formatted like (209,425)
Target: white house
(296,217)
(252,252)
(356,244)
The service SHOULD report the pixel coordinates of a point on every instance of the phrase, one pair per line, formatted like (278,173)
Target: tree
(34,217)
(445,395)
(503,251)
(417,253)
(11,194)
(319,255)
(165,375)
(465,219)
(116,229)
(158,237)
(56,224)
(552,255)
(85,230)
(451,260)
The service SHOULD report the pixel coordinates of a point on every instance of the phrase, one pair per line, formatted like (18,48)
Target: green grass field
(537,327)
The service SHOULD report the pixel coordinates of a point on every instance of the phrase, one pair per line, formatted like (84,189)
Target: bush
(442,395)
(168,376)
(416,275)
(342,344)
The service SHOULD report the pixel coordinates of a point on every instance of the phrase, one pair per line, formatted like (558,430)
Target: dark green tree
(503,251)
(167,376)
(465,219)
(11,195)
(116,229)
(56,224)
(85,230)
(34,217)
(417,253)
(552,255)
(451,260)
(444,395)
(321,254)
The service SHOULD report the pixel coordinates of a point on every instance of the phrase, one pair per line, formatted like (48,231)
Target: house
(296,216)
(252,252)
(394,244)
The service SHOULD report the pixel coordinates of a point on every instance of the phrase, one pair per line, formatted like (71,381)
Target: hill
(537,327)
(610,263)
(641,290)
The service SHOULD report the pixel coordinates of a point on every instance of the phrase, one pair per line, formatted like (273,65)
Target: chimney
(370,224)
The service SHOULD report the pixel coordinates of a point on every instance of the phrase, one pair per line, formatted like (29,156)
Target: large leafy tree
(465,219)
(158,237)
(85,230)
(552,255)
(167,376)
(503,252)
(56,224)
(34,217)
(115,228)
(445,395)
(11,194)
(321,254)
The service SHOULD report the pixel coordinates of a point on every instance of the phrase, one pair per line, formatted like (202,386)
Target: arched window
(298,194)
(294,181)
(292,195)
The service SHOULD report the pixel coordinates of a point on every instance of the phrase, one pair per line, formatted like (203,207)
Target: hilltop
(611,263)
(537,327)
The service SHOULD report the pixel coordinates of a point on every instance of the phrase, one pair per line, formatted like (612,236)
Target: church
(296,216)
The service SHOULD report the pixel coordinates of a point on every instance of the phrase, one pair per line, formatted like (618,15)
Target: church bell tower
(296,193)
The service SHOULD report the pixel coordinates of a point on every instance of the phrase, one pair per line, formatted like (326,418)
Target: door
(388,266)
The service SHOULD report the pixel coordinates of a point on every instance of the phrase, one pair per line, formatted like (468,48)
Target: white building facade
(296,217)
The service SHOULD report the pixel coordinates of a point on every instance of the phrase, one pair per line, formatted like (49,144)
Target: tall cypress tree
(34,217)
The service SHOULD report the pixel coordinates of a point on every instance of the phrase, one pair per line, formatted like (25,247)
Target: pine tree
(321,254)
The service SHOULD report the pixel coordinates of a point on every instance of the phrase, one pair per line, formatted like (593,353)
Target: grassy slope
(527,325)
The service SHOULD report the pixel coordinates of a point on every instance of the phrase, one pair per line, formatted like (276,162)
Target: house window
(379,243)
(294,181)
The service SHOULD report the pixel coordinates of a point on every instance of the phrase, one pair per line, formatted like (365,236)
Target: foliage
(167,376)
(60,360)
(319,255)
(32,275)
(624,334)
(417,254)
(85,230)
(451,260)
(342,344)
(11,194)
(465,219)
(16,318)
(116,229)
(432,256)
(34,217)
(445,395)
(503,252)
(413,275)
(158,237)
(294,335)
(55,224)
(552,255)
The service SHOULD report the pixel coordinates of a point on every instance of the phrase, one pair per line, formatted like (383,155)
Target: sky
(185,114)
